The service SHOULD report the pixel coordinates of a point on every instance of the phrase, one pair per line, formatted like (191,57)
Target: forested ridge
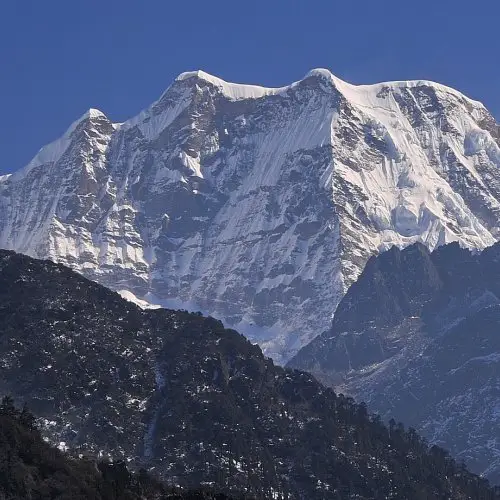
(30,468)
(180,395)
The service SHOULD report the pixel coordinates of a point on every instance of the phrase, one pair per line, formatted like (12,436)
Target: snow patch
(143,304)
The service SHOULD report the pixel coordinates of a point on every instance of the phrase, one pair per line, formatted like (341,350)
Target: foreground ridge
(31,468)
(199,403)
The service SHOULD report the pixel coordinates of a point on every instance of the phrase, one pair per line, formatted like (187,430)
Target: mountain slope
(31,468)
(198,403)
(416,337)
(259,206)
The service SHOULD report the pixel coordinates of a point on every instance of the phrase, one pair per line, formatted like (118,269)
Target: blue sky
(60,57)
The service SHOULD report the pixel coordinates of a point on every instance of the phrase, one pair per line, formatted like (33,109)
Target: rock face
(417,338)
(199,404)
(259,206)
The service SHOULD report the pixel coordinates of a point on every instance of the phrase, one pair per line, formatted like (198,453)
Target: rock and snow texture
(416,338)
(259,206)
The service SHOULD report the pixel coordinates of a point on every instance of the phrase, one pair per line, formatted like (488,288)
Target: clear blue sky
(60,57)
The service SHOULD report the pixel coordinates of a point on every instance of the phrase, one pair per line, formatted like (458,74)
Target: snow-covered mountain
(259,206)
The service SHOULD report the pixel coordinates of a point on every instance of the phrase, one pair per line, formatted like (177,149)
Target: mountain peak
(233,91)
(325,75)
(359,93)
(202,75)
(53,151)
(362,92)
(91,114)
(322,72)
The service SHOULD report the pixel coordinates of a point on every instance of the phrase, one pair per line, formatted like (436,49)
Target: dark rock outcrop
(417,338)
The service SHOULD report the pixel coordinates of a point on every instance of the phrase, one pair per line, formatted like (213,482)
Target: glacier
(259,206)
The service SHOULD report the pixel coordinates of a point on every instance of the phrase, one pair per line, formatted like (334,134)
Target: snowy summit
(259,206)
